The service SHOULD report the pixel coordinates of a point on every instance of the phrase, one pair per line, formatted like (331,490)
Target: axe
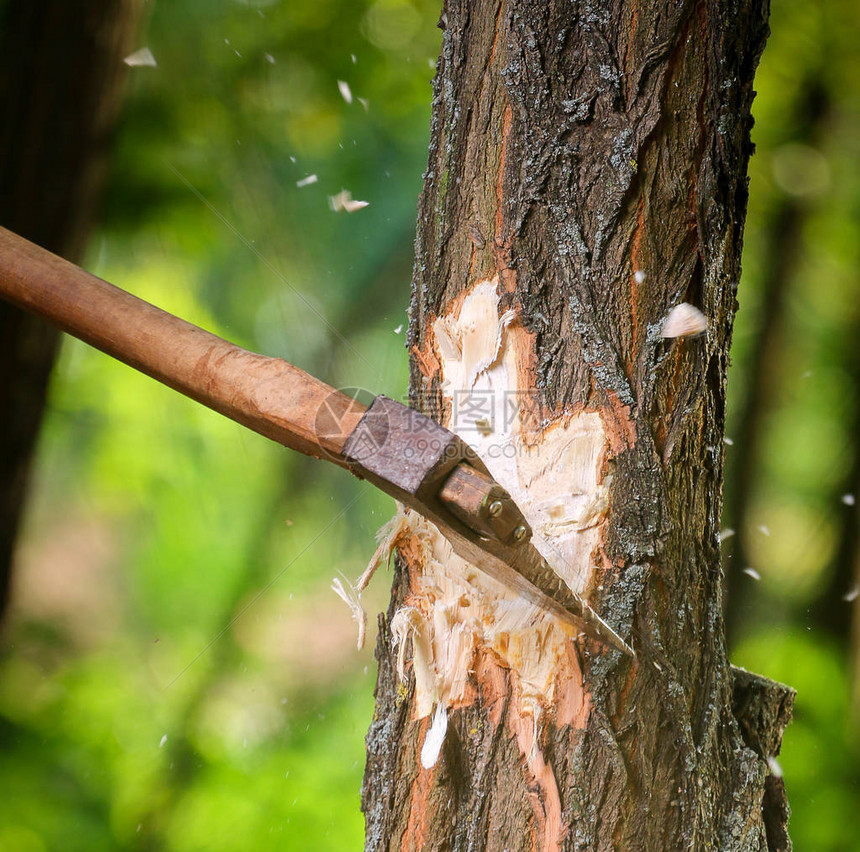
(401,451)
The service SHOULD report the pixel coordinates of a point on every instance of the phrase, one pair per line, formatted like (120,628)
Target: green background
(175,672)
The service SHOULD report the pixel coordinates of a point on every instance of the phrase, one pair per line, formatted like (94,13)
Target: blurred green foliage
(796,367)
(175,673)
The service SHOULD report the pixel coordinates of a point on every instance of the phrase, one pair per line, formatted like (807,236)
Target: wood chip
(684,321)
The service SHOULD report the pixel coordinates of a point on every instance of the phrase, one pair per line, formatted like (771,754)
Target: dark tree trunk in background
(61,72)
(832,610)
(572,146)
(783,242)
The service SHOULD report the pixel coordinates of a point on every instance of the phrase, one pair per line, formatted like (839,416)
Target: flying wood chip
(142,57)
(684,321)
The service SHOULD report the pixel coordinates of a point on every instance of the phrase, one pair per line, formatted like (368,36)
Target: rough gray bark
(573,145)
(763,710)
(60,83)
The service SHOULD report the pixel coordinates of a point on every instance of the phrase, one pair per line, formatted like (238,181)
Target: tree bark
(574,146)
(60,85)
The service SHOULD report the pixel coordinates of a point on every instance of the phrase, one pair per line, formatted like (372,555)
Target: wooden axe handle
(268,395)
(401,451)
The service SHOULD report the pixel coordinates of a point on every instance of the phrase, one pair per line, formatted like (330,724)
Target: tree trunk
(60,84)
(587,174)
